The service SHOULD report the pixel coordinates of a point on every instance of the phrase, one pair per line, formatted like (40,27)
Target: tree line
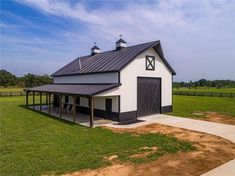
(8,79)
(205,83)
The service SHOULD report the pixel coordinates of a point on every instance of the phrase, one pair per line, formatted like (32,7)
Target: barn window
(150,63)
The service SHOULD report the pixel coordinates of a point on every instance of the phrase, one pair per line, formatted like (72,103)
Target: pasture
(33,143)
(9,89)
(206,89)
(187,106)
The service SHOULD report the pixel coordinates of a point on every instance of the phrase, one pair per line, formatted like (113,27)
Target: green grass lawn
(34,144)
(204,89)
(185,106)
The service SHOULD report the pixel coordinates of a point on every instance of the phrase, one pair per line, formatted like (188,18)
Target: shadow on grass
(51,116)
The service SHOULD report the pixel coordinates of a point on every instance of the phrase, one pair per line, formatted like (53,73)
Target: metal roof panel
(108,61)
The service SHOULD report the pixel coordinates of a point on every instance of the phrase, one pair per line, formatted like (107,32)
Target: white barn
(122,84)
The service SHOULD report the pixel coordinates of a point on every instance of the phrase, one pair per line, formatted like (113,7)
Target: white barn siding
(88,78)
(99,102)
(128,89)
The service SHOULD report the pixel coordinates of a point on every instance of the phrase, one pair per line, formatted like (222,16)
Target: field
(186,106)
(15,89)
(205,89)
(214,109)
(37,144)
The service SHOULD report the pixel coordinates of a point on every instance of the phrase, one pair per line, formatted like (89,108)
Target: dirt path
(211,152)
(215,117)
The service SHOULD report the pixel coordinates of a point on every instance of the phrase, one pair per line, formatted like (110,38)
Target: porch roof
(74,89)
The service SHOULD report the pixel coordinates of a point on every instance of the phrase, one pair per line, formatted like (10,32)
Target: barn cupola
(120,43)
(95,49)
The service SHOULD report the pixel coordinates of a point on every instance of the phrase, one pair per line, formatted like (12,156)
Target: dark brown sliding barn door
(148,96)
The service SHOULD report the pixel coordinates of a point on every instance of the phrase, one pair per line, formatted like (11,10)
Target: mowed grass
(205,89)
(35,144)
(186,106)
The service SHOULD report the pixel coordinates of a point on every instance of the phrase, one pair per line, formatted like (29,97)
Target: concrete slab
(81,119)
(218,129)
(227,169)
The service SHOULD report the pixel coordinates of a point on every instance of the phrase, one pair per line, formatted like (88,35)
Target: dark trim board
(172,92)
(131,116)
(123,117)
(119,104)
(166,109)
(119,77)
(83,83)
(127,117)
(149,64)
(87,73)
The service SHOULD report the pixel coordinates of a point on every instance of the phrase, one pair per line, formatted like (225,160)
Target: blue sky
(40,36)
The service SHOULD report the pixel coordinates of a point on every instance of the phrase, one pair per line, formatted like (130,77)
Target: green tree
(31,80)
(7,79)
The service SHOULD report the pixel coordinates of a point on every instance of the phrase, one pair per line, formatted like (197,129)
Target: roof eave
(88,73)
(83,95)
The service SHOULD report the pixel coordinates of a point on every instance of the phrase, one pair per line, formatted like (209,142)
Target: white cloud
(175,16)
(194,33)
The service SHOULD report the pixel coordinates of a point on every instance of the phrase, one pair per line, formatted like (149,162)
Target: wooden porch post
(40,101)
(46,98)
(27,98)
(91,111)
(33,100)
(60,103)
(49,103)
(74,109)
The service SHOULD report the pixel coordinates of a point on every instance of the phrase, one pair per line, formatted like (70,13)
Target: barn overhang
(74,90)
(85,90)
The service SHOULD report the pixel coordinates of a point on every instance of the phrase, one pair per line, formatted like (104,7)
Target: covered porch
(50,101)
(80,118)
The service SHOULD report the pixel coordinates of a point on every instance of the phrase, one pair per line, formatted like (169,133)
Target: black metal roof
(74,89)
(110,61)
(95,47)
(121,41)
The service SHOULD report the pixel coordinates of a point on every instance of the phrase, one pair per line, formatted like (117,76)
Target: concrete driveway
(218,129)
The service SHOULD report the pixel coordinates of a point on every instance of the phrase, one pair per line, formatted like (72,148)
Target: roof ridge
(119,50)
